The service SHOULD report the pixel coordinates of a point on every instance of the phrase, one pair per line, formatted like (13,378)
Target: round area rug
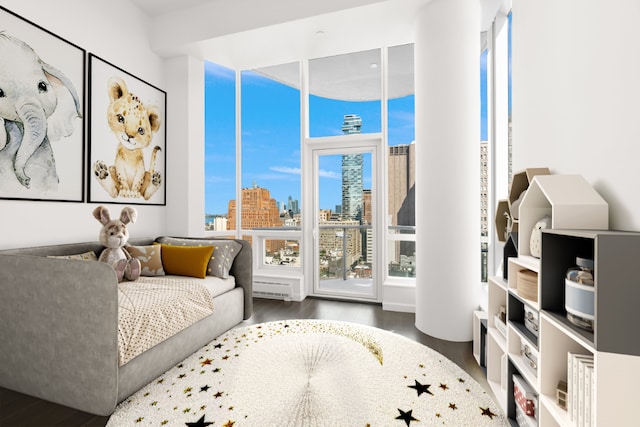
(311,373)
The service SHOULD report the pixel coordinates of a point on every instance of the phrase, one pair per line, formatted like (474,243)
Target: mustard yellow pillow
(186,260)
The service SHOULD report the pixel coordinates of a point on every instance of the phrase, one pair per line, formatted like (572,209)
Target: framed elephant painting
(127,137)
(42,112)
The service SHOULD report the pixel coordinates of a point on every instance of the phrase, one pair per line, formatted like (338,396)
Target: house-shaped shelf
(571,202)
(519,185)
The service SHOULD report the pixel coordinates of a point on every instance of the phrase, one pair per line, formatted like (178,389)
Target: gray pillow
(224,252)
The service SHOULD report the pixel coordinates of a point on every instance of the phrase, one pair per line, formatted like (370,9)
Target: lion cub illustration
(133,124)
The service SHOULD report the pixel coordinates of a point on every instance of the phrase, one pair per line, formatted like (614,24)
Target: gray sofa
(59,320)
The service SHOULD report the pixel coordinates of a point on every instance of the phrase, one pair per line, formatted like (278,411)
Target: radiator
(273,288)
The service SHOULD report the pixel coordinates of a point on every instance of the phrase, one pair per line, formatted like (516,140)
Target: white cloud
(296,171)
(284,169)
(329,174)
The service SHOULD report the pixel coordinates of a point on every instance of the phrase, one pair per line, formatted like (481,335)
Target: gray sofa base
(59,327)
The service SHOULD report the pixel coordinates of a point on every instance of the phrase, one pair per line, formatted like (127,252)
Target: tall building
(293,205)
(352,173)
(259,210)
(402,179)
(351,124)
(484,194)
(367,240)
(402,203)
(366,207)
(484,210)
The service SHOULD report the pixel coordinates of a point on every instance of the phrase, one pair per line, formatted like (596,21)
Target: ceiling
(245,34)
(155,8)
(254,34)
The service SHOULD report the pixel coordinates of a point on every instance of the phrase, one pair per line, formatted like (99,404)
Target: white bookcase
(615,343)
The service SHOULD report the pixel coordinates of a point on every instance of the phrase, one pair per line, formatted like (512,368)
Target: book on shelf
(589,397)
(579,390)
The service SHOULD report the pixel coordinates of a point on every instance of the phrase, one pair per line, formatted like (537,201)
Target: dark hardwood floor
(18,410)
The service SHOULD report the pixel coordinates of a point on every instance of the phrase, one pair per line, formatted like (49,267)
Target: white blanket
(152,309)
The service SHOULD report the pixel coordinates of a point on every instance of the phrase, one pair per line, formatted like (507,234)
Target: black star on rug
(421,388)
(488,413)
(217,345)
(200,423)
(205,388)
(406,416)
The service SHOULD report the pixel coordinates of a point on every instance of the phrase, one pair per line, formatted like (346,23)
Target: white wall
(576,86)
(117,32)
(185,162)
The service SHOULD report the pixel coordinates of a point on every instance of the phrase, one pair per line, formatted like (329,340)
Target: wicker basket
(527,284)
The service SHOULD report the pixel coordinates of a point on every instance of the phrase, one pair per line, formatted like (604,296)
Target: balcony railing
(401,259)
(279,248)
(345,251)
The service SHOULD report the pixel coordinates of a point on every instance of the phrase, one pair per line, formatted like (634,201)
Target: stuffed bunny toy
(114,237)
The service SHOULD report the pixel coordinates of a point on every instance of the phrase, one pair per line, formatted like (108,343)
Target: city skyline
(271,136)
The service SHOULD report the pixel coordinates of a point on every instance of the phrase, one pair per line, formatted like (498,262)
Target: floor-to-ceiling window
(484,161)
(401,246)
(498,125)
(270,194)
(262,163)
(220,147)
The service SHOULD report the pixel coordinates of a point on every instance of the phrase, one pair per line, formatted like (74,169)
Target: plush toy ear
(128,215)
(101,213)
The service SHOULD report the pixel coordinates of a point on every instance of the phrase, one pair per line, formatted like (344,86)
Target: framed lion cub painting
(127,137)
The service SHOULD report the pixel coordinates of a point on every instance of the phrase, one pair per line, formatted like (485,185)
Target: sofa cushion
(85,256)
(150,258)
(225,251)
(186,260)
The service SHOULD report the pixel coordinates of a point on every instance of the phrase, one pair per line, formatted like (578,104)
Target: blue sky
(271,136)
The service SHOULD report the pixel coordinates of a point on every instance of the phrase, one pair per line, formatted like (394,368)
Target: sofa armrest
(242,270)
(59,330)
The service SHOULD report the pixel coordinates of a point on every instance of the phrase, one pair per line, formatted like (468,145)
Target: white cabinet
(614,343)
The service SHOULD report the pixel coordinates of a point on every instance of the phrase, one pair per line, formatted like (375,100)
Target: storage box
(527,284)
(525,397)
(523,420)
(531,320)
(530,356)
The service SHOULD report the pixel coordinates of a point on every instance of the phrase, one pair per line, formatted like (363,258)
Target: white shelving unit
(478,317)
(579,223)
(569,200)
(497,342)
(614,343)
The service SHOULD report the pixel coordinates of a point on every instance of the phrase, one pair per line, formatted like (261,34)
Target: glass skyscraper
(352,173)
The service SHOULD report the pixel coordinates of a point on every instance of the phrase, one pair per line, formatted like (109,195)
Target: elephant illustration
(38,104)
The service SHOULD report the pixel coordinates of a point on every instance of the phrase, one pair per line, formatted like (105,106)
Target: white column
(185,146)
(447,105)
